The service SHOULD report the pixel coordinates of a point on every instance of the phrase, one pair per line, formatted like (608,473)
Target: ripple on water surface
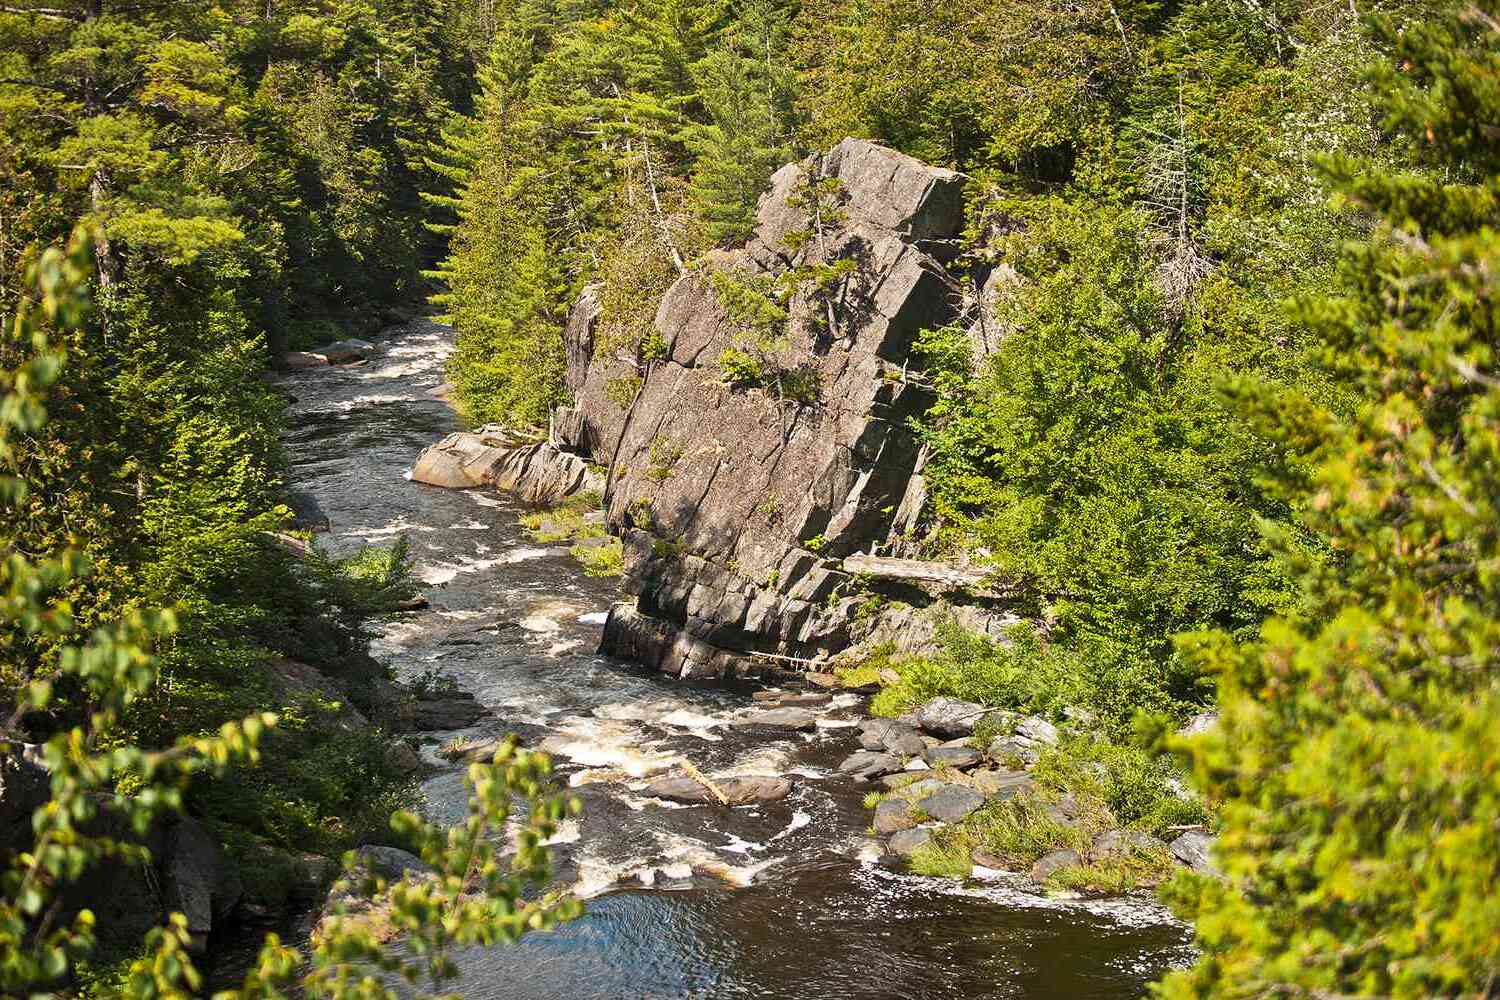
(779,900)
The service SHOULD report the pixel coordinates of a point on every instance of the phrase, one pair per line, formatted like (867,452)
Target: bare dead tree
(1171,200)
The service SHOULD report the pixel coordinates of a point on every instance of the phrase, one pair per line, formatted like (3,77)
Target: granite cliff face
(739,505)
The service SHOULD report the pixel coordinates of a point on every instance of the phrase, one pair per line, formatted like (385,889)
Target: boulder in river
(536,471)
(779,718)
(951,803)
(737,791)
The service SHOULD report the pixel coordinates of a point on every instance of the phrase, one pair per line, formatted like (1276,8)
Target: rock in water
(391,863)
(737,791)
(780,718)
(1194,849)
(950,717)
(951,803)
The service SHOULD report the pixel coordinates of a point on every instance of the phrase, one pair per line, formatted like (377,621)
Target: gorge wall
(747,512)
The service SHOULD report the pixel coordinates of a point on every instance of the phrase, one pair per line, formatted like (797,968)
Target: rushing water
(781,900)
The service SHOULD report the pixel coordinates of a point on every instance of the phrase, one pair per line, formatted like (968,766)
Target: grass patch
(1019,830)
(946,855)
(1116,873)
(873,799)
(569,521)
(601,560)
(1137,787)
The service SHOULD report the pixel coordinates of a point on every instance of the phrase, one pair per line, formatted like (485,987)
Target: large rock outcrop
(490,456)
(737,505)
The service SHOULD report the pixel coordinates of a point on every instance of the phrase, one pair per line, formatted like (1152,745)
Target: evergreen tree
(1359,738)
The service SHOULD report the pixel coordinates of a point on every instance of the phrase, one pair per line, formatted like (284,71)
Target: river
(786,900)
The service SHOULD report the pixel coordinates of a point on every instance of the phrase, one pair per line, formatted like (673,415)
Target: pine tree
(1359,742)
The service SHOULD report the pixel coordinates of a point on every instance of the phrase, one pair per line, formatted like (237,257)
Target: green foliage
(1357,745)
(1141,790)
(96,766)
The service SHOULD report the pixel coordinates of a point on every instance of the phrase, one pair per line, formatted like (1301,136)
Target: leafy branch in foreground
(475,898)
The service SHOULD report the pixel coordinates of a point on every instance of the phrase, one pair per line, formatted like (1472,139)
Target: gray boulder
(780,718)
(951,803)
(950,717)
(1002,785)
(905,843)
(893,816)
(1054,861)
(438,714)
(867,765)
(1195,849)
(1037,730)
(1009,748)
(958,758)
(198,879)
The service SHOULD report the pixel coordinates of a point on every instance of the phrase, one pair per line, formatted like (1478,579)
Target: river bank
(783,899)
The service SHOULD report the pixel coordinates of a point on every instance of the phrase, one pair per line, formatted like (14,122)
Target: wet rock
(822,680)
(1194,849)
(344,352)
(1001,785)
(905,843)
(950,717)
(951,803)
(1037,730)
(198,879)
(893,816)
(1054,861)
(780,718)
(536,471)
(1123,844)
(445,713)
(868,764)
(806,698)
(737,791)
(958,758)
(391,863)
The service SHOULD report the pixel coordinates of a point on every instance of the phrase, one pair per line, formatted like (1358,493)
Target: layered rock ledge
(738,506)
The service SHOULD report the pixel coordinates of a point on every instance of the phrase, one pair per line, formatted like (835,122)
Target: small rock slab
(446,713)
(951,803)
(893,816)
(822,680)
(391,863)
(984,859)
(905,843)
(1054,861)
(1194,850)
(950,717)
(958,758)
(892,736)
(1123,843)
(737,791)
(868,765)
(1037,730)
(1000,784)
(781,718)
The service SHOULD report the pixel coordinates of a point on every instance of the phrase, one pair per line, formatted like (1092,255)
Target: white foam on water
(837,723)
(799,820)
(472,524)
(594,618)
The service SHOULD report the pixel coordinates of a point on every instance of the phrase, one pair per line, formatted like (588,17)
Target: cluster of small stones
(904,756)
